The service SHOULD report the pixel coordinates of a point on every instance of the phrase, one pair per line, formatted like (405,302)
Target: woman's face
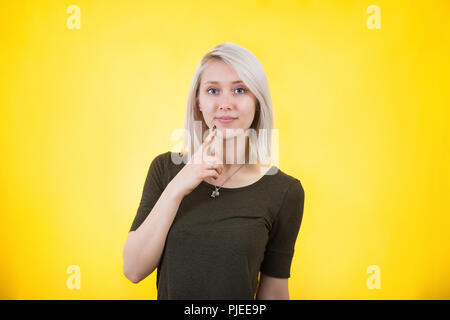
(224,98)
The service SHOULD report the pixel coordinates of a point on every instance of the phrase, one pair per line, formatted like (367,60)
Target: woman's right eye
(210,89)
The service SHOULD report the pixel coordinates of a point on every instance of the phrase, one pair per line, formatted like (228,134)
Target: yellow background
(362,115)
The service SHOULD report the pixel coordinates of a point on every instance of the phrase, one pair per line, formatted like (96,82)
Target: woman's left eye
(241,89)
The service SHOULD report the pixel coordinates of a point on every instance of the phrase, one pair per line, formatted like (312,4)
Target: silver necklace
(215,192)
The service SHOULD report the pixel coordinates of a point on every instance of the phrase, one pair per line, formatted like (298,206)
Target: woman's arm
(271,288)
(144,246)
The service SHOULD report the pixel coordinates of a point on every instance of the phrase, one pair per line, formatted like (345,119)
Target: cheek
(208,109)
(206,102)
(249,109)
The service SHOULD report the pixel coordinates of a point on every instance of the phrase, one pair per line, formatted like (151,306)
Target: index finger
(207,144)
(209,138)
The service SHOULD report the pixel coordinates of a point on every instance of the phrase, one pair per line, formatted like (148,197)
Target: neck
(234,152)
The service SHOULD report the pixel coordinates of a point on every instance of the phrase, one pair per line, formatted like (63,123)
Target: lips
(226,119)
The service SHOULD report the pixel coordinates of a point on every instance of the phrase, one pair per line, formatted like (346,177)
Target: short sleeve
(280,246)
(152,190)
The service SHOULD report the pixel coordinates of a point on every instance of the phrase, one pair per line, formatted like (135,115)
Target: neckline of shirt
(260,180)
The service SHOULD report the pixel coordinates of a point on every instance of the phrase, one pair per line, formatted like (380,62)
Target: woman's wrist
(174,191)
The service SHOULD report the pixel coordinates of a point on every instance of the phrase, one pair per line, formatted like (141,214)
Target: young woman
(213,220)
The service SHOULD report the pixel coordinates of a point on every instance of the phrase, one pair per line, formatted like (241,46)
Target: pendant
(215,193)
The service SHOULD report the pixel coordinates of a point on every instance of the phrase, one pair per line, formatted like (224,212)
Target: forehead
(219,72)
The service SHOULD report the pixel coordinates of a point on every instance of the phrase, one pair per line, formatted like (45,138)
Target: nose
(225,107)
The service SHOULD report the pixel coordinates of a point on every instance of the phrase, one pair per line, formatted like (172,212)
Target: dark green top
(216,247)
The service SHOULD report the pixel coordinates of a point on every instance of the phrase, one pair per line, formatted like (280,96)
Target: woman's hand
(199,167)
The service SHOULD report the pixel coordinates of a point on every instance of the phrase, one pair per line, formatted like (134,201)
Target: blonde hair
(251,72)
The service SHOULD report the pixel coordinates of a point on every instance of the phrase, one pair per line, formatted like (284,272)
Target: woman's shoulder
(165,166)
(172,162)
(285,181)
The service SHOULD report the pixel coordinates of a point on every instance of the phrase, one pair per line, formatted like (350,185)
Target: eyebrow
(214,82)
